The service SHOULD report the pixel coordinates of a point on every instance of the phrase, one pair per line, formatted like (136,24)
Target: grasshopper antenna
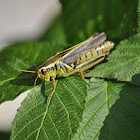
(25,70)
(30,72)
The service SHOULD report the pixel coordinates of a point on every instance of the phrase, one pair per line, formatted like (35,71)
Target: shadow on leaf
(123,121)
(26,79)
(136,80)
(11,87)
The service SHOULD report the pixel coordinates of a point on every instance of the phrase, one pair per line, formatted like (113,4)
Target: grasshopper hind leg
(82,75)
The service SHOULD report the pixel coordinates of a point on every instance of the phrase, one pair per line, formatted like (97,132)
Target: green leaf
(111,112)
(138,17)
(130,20)
(58,119)
(35,52)
(123,63)
(82,18)
(12,83)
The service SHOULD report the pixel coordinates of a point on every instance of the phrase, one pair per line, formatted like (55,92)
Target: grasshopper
(75,59)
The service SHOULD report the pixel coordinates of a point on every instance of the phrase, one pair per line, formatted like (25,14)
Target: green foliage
(111,108)
(58,119)
(138,19)
(129,27)
(35,52)
(111,112)
(12,83)
(80,19)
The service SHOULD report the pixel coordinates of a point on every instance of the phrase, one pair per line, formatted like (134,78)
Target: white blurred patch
(25,19)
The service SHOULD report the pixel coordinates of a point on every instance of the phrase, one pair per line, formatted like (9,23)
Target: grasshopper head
(43,74)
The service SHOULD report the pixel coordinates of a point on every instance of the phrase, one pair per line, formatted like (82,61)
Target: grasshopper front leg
(54,87)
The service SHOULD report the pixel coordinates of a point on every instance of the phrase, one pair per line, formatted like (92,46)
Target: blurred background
(22,20)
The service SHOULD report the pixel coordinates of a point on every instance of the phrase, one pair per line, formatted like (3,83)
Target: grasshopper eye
(43,71)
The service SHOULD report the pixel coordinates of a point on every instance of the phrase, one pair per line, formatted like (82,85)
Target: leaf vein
(90,119)
(54,126)
(72,93)
(27,125)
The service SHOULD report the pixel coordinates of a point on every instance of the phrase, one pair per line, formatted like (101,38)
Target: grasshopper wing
(69,55)
(86,45)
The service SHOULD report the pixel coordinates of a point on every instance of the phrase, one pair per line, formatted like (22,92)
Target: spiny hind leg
(82,75)
(70,73)
(74,71)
